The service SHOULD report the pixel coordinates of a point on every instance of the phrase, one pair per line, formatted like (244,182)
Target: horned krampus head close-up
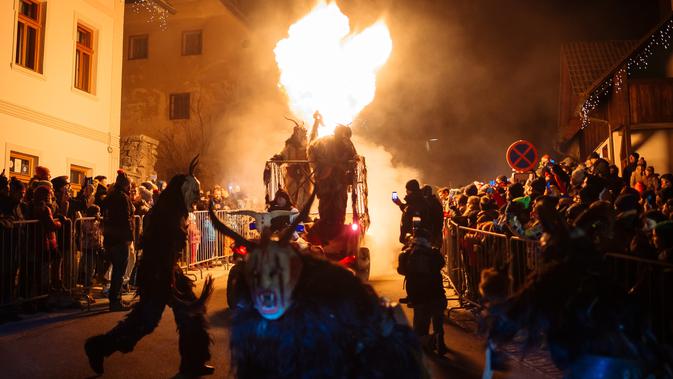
(273,265)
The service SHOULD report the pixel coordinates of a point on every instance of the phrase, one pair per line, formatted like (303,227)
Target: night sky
(481,74)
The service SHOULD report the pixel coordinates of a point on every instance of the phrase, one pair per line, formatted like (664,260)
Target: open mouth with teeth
(268,304)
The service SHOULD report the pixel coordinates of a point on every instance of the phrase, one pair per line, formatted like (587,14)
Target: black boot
(96,350)
(440,346)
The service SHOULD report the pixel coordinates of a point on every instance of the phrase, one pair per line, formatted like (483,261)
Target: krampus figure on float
(332,159)
(161,282)
(300,316)
(594,327)
(296,175)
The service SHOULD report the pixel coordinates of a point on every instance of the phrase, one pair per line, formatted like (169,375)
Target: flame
(324,67)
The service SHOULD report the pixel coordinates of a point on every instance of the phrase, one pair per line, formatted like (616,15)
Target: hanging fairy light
(639,61)
(155,12)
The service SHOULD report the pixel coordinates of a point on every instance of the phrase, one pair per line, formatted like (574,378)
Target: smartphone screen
(395,197)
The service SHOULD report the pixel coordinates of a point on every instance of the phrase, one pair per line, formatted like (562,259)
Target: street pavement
(51,345)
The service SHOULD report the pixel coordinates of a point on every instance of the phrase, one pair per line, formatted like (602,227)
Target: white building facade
(60,86)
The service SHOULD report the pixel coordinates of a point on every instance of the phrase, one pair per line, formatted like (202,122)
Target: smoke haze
(476,75)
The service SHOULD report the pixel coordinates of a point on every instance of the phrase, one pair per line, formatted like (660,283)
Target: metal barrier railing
(468,251)
(651,282)
(31,269)
(205,244)
(25,266)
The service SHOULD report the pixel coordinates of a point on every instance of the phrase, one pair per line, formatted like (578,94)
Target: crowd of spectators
(100,216)
(639,202)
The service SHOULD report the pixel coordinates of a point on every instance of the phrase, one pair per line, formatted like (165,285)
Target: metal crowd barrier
(205,245)
(651,282)
(469,251)
(25,266)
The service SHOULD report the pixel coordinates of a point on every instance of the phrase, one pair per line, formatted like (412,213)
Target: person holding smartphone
(414,205)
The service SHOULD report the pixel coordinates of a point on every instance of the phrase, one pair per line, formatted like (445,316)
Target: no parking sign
(522,156)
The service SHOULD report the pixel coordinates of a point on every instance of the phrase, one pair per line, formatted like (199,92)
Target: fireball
(326,68)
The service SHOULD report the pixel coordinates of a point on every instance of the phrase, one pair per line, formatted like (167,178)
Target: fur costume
(161,282)
(297,175)
(594,328)
(332,159)
(299,316)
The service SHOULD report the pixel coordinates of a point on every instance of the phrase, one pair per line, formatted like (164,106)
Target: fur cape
(335,328)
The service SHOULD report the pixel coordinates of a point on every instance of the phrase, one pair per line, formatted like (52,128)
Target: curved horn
(293,120)
(245,212)
(222,228)
(193,164)
(287,233)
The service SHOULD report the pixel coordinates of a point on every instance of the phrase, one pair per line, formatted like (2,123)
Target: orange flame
(324,67)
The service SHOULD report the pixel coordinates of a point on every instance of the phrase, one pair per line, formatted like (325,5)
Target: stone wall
(138,156)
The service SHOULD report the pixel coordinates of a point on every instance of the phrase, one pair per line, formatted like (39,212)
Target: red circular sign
(522,156)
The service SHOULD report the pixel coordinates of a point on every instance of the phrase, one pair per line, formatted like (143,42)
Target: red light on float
(241,250)
(354,227)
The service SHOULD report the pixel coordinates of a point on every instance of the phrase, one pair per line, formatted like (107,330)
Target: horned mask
(273,265)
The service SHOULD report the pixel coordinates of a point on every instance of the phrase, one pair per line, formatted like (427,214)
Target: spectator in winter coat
(666,181)
(630,167)
(597,165)
(614,182)
(100,186)
(663,240)
(651,180)
(414,205)
(48,250)
(118,234)
(472,210)
(91,246)
(421,265)
(82,201)
(436,215)
(638,175)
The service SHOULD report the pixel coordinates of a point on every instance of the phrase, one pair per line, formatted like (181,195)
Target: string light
(639,61)
(155,12)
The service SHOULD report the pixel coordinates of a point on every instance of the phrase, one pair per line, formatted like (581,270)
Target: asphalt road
(51,346)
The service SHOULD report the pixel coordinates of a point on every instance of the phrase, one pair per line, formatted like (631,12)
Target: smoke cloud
(475,75)
(383,177)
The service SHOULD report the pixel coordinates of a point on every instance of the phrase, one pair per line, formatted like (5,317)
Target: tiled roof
(588,61)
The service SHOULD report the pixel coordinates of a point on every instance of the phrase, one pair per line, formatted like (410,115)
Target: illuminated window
(22,165)
(78,175)
(179,106)
(84,58)
(138,47)
(191,43)
(29,34)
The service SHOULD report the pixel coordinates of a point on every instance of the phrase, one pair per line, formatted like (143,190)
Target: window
(78,175)
(138,47)
(191,43)
(83,58)
(22,165)
(179,106)
(29,34)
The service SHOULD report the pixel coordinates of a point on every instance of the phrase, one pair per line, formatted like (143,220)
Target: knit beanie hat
(42,172)
(122,179)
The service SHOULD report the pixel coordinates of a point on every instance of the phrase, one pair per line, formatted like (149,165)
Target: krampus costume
(296,175)
(594,327)
(332,159)
(161,282)
(299,316)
